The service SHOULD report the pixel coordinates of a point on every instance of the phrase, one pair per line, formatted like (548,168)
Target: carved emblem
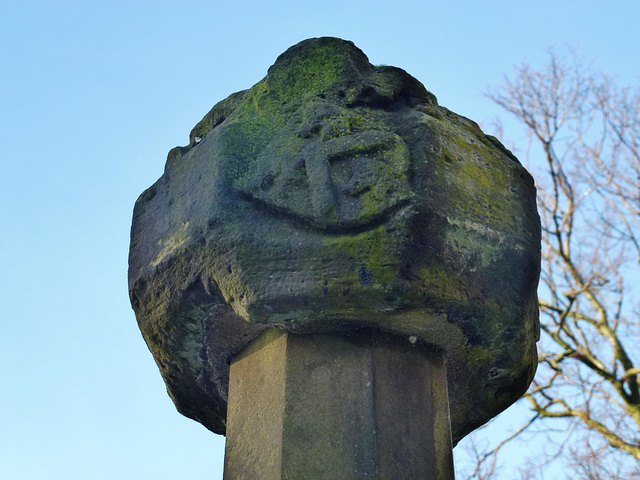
(346,181)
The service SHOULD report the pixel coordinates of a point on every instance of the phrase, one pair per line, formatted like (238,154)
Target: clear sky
(93,94)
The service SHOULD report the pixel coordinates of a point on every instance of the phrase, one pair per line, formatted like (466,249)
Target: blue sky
(93,94)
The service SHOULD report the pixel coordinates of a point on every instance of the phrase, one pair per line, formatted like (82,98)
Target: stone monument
(338,273)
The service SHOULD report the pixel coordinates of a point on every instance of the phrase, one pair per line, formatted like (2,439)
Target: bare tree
(584,137)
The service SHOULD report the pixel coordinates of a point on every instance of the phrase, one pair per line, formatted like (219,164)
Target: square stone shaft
(326,406)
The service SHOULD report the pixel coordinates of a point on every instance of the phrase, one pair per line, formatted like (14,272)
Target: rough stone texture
(346,407)
(332,195)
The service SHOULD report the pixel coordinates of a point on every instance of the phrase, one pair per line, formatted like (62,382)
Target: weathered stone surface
(332,195)
(360,406)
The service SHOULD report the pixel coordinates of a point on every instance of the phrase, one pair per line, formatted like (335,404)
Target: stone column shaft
(326,406)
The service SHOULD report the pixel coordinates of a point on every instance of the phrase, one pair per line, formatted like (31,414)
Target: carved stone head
(335,195)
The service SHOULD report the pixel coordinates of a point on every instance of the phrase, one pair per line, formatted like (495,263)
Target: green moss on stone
(371,249)
(442,284)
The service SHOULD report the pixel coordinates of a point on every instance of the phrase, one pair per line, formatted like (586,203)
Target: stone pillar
(342,407)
